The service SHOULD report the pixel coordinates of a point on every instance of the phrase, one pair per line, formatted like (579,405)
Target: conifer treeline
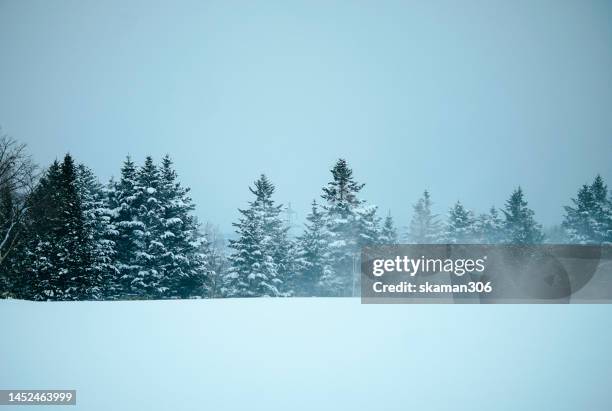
(134,238)
(137,237)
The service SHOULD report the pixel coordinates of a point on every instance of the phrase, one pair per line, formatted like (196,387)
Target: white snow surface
(309,354)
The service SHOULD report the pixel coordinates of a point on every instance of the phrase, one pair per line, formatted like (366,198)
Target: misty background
(468,100)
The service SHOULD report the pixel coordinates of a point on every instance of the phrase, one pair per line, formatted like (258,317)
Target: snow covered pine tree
(459,228)
(258,263)
(67,252)
(146,282)
(520,226)
(589,221)
(352,224)
(388,232)
(314,255)
(99,247)
(125,220)
(185,267)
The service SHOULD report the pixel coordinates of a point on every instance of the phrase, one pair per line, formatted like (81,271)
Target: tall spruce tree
(55,260)
(259,259)
(352,224)
(39,265)
(124,203)
(424,225)
(146,281)
(72,236)
(99,246)
(184,266)
(314,259)
(275,229)
(520,226)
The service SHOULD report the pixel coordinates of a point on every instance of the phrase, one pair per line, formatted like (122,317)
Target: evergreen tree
(388,234)
(519,225)
(314,255)
(579,220)
(367,225)
(275,230)
(182,262)
(589,221)
(260,257)
(424,226)
(71,236)
(252,272)
(146,281)
(55,260)
(124,203)
(603,210)
(99,247)
(351,224)
(343,189)
(460,227)
(39,264)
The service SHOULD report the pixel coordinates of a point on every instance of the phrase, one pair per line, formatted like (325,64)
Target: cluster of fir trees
(587,221)
(137,237)
(134,238)
(514,224)
(322,261)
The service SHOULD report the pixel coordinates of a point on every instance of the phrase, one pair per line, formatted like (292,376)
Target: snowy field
(309,354)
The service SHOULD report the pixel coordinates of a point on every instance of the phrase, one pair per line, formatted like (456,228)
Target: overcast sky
(468,99)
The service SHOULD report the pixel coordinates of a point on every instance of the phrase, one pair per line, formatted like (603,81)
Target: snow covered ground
(309,354)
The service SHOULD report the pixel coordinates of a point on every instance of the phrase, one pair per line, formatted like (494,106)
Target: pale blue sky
(468,99)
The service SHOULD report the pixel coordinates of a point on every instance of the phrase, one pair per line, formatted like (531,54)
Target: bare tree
(18,175)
